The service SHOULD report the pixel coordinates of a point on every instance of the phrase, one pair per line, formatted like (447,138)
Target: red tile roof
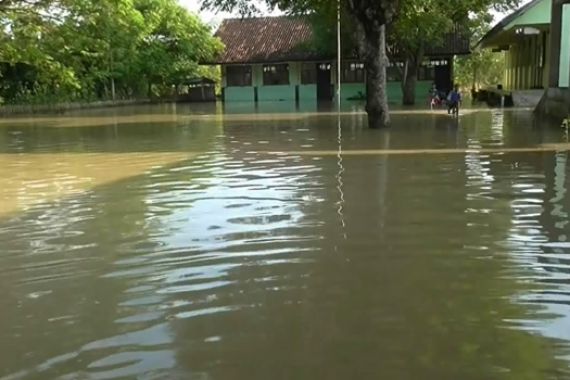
(288,38)
(266,39)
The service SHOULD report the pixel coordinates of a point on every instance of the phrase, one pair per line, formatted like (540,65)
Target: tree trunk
(414,62)
(373,50)
(371,17)
(409,85)
(113,95)
(112,71)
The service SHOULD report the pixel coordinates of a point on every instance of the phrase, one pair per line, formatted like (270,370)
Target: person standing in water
(453,101)
(434,99)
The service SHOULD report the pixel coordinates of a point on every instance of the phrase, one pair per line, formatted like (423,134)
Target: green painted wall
(564,76)
(271,93)
(295,73)
(522,63)
(546,68)
(351,90)
(239,94)
(275,93)
(269,107)
(257,75)
(394,91)
(540,13)
(307,92)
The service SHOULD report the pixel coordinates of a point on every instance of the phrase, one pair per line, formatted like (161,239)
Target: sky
(207,16)
(499,16)
(213,18)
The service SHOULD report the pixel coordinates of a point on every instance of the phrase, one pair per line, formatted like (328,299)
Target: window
(394,72)
(353,72)
(308,73)
(238,76)
(426,73)
(274,75)
(436,62)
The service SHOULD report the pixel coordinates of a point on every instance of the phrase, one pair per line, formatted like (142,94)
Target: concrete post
(555,38)
(564,76)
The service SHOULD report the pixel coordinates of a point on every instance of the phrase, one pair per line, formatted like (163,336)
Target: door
(443,77)
(324,86)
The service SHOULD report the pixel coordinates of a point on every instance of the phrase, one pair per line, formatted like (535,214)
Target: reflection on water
(32,179)
(340,183)
(182,249)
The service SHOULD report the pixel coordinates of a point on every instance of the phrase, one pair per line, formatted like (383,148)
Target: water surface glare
(183,243)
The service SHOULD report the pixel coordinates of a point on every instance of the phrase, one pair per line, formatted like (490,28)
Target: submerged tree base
(378,120)
(376,62)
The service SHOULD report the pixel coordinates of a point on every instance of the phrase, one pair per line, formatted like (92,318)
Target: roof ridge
(507,20)
(263,17)
(287,38)
(521,11)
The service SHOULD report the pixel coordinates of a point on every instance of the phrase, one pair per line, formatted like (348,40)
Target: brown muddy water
(181,243)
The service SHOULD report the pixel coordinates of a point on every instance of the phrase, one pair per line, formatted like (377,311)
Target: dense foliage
(98,49)
(423,23)
(483,67)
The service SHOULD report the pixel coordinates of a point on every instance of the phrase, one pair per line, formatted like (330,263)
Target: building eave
(493,37)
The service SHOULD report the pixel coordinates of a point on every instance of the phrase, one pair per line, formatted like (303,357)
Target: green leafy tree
(482,67)
(420,24)
(424,23)
(174,42)
(100,38)
(97,49)
(24,55)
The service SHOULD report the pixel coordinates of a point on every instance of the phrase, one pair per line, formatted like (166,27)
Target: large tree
(175,41)
(369,18)
(420,24)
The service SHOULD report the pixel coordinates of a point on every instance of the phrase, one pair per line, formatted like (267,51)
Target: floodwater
(183,243)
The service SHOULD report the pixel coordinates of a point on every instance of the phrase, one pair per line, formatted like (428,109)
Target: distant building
(537,48)
(273,58)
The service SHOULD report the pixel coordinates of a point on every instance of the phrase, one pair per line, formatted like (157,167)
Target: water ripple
(159,265)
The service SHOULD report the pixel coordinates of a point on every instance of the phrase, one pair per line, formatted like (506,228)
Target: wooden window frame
(245,76)
(308,73)
(276,74)
(353,72)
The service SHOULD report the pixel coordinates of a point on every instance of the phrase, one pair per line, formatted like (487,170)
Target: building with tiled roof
(274,58)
